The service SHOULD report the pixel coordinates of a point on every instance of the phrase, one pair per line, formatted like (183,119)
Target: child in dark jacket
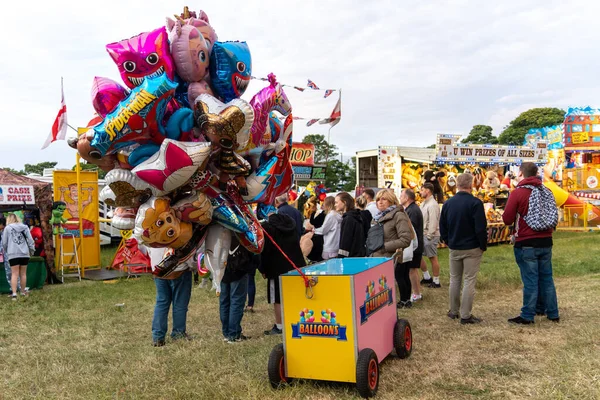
(352,234)
(283,230)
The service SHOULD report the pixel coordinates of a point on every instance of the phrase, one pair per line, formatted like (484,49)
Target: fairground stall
(392,167)
(488,164)
(573,168)
(32,200)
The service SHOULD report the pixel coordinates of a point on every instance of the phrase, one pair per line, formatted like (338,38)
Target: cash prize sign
(16,195)
(449,151)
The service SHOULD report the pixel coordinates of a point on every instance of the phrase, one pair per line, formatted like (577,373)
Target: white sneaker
(414,298)
(203,283)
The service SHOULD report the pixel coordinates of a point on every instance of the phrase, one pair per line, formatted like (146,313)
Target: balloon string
(307,283)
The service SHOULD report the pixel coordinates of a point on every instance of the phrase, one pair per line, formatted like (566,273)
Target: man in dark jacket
(463,227)
(283,207)
(274,263)
(234,288)
(407,274)
(533,252)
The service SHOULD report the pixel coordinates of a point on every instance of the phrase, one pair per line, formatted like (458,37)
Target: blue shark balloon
(230,69)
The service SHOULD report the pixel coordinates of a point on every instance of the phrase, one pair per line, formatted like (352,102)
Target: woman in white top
(330,229)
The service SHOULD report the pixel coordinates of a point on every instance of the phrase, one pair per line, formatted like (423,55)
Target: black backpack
(375,238)
(239,257)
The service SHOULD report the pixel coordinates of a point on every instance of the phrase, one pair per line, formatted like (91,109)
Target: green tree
(14,171)
(514,133)
(39,167)
(91,167)
(481,134)
(351,184)
(323,150)
(431,146)
(337,176)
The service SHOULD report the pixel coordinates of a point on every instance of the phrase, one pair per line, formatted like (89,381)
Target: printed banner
(303,154)
(449,150)
(308,173)
(375,303)
(552,134)
(65,189)
(16,195)
(389,168)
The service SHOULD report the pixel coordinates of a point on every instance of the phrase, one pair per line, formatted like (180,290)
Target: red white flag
(328,93)
(312,85)
(336,114)
(59,128)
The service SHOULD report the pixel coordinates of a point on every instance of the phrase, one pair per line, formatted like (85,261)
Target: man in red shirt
(533,252)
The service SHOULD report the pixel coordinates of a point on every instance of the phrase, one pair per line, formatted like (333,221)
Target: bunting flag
(312,122)
(312,85)
(59,127)
(336,114)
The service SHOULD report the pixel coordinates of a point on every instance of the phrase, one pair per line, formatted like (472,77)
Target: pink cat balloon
(106,95)
(144,55)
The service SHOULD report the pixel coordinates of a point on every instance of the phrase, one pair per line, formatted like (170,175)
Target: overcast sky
(408,69)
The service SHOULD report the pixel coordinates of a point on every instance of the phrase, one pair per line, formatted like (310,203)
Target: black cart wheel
(367,373)
(277,367)
(403,341)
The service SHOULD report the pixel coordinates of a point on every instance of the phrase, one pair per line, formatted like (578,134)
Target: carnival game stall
(21,194)
(488,163)
(573,168)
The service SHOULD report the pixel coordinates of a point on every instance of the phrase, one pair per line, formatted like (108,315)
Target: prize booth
(480,160)
(573,168)
(32,201)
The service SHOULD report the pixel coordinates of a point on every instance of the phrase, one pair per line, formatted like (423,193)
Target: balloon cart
(349,314)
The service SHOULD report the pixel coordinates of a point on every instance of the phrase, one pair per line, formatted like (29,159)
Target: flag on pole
(312,122)
(59,128)
(312,85)
(336,114)
(328,93)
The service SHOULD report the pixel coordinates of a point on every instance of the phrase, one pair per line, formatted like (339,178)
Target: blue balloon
(136,118)
(230,69)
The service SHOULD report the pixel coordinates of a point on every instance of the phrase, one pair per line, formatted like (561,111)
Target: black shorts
(273,291)
(416,261)
(19,261)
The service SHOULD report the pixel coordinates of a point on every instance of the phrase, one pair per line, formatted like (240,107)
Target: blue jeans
(231,307)
(251,288)
(539,293)
(177,291)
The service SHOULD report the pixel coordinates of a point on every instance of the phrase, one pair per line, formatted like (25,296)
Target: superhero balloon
(135,119)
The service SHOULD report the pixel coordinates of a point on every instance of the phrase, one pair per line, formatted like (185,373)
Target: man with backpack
(532,208)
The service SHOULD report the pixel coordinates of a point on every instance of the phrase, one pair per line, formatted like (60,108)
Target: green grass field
(71,342)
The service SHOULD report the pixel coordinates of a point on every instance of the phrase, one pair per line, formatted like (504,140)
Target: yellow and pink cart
(349,314)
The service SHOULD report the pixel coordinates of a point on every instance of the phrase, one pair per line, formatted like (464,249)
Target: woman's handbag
(409,252)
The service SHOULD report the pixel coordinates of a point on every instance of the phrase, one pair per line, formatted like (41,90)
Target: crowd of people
(381,224)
